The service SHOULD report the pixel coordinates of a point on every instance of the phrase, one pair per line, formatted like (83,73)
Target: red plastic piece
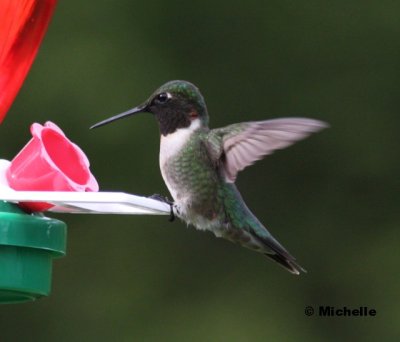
(50,162)
(23,24)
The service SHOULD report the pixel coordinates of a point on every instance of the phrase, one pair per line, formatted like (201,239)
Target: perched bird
(199,165)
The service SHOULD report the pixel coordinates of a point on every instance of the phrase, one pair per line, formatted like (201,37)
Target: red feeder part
(23,24)
(50,162)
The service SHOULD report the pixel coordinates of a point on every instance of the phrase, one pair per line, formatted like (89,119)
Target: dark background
(332,200)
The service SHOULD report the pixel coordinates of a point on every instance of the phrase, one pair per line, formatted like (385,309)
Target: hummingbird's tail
(248,231)
(289,264)
(259,239)
(274,250)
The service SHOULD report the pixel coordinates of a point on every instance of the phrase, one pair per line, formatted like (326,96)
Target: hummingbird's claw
(164,199)
(171,213)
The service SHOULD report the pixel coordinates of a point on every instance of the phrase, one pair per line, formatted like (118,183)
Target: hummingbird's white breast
(174,142)
(170,145)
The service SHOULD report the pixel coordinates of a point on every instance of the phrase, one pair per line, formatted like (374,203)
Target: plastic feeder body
(28,245)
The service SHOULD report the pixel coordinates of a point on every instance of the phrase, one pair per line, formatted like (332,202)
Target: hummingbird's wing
(240,145)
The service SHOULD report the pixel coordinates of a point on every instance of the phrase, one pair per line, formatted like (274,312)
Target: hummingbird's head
(176,104)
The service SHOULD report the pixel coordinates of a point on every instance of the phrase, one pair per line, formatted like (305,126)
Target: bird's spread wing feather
(240,145)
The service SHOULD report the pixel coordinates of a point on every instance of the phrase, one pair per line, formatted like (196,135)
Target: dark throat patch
(170,122)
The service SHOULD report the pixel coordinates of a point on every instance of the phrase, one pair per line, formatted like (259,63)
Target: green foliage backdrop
(332,200)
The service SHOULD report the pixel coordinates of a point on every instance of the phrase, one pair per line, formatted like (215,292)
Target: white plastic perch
(84,202)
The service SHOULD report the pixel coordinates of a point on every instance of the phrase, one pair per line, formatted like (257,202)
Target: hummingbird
(199,165)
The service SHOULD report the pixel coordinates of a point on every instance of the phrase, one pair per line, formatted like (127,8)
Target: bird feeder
(28,245)
(49,174)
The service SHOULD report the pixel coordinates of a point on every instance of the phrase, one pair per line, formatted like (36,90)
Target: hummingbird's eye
(163,97)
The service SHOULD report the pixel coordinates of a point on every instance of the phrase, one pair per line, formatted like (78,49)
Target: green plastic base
(28,244)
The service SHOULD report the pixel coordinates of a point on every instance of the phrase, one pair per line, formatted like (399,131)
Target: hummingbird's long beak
(138,109)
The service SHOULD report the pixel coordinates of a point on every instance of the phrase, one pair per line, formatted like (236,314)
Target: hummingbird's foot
(164,199)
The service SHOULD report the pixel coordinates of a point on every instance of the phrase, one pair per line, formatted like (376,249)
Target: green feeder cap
(28,244)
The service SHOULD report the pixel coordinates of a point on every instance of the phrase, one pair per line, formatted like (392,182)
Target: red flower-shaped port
(23,24)
(50,162)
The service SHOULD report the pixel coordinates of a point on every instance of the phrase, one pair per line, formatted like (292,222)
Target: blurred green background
(332,200)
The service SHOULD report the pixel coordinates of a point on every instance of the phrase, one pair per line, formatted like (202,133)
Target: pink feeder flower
(23,24)
(50,162)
